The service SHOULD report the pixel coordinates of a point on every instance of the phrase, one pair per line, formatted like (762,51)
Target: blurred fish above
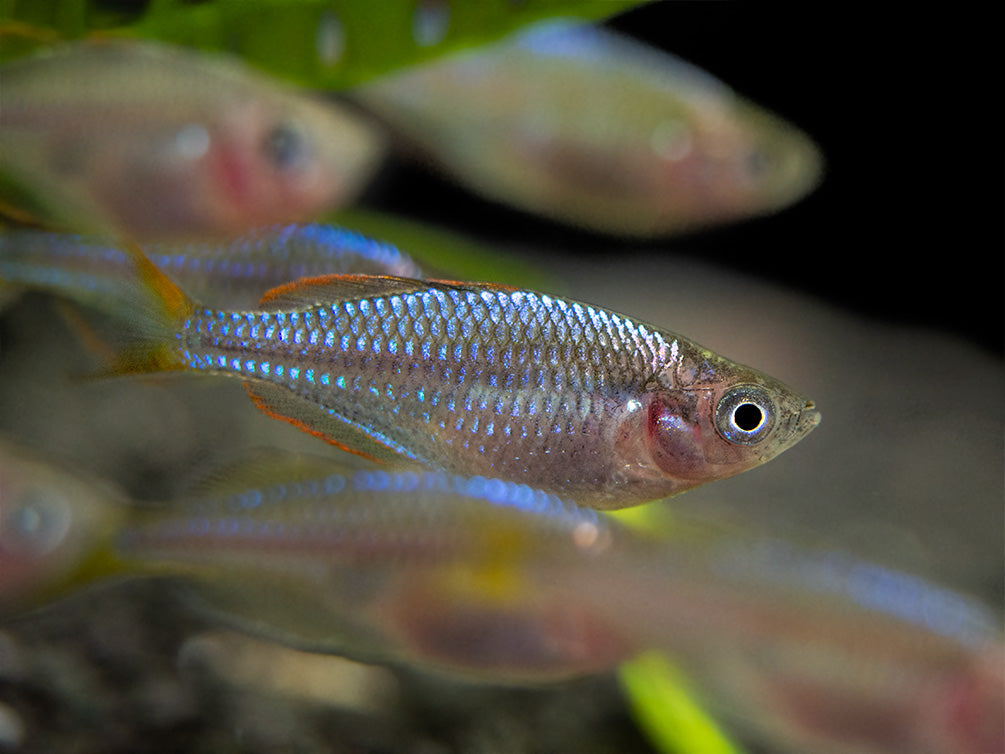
(152,142)
(585,126)
(473,378)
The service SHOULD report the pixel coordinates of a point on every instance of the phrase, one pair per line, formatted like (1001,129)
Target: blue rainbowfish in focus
(233,274)
(151,142)
(497,582)
(582,125)
(470,378)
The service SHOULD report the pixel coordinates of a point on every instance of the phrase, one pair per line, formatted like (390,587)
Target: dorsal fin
(461,285)
(328,288)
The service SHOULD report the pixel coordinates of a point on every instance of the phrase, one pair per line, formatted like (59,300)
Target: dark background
(908,223)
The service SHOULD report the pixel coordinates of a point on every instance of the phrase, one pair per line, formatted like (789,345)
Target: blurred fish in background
(233,274)
(588,127)
(501,583)
(151,142)
(52,522)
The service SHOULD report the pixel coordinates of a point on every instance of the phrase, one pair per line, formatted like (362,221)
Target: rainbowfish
(846,656)
(231,274)
(588,127)
(152,142)
(52,521)
(469,378)
(497,582)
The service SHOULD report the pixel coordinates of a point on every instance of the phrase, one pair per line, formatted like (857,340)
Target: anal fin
(279,403)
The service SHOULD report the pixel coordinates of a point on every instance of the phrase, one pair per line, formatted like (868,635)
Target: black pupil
(747,417)
(283,146)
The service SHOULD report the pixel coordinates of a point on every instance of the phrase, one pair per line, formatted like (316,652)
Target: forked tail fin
(118,279)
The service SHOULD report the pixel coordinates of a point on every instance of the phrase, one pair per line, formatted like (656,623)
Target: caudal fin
(118,279)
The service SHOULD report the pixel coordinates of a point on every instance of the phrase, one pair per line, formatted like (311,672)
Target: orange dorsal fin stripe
(337,288)
(330,288)
(502,287)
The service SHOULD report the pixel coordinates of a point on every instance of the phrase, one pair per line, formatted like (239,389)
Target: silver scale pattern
(501,374)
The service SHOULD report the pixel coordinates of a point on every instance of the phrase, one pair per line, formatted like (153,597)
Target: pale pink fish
(588,127)
(156,142)
(828,654)
(52,522)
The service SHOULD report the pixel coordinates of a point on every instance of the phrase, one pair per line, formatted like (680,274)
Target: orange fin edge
(368,285)
(263,406)
(177,305)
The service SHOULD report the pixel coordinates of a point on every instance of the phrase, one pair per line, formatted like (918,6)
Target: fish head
(50,523)
(707,418)
(319,156)
(728,159)
(287,160)
(776,164)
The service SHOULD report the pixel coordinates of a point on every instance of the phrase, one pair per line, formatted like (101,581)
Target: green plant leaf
(330,44)
(660,701)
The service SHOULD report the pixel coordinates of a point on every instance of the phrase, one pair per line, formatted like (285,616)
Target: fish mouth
(808,418)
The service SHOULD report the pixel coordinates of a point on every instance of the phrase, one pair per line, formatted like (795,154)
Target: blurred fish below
(500,583)
(585,126)
(471,378)
(339,561)
(151,142)
(51,523)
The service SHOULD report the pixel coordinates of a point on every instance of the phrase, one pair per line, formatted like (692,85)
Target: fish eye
(745,415)
(759,163)
(36,525)
(285,147)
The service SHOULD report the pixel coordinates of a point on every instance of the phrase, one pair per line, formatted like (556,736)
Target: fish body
(471,378)
(844,656)
(234,274)
(421,569)
(481,379)
(160,143)
(592,128)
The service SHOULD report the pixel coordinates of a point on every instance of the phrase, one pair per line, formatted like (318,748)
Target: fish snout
(808,418)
